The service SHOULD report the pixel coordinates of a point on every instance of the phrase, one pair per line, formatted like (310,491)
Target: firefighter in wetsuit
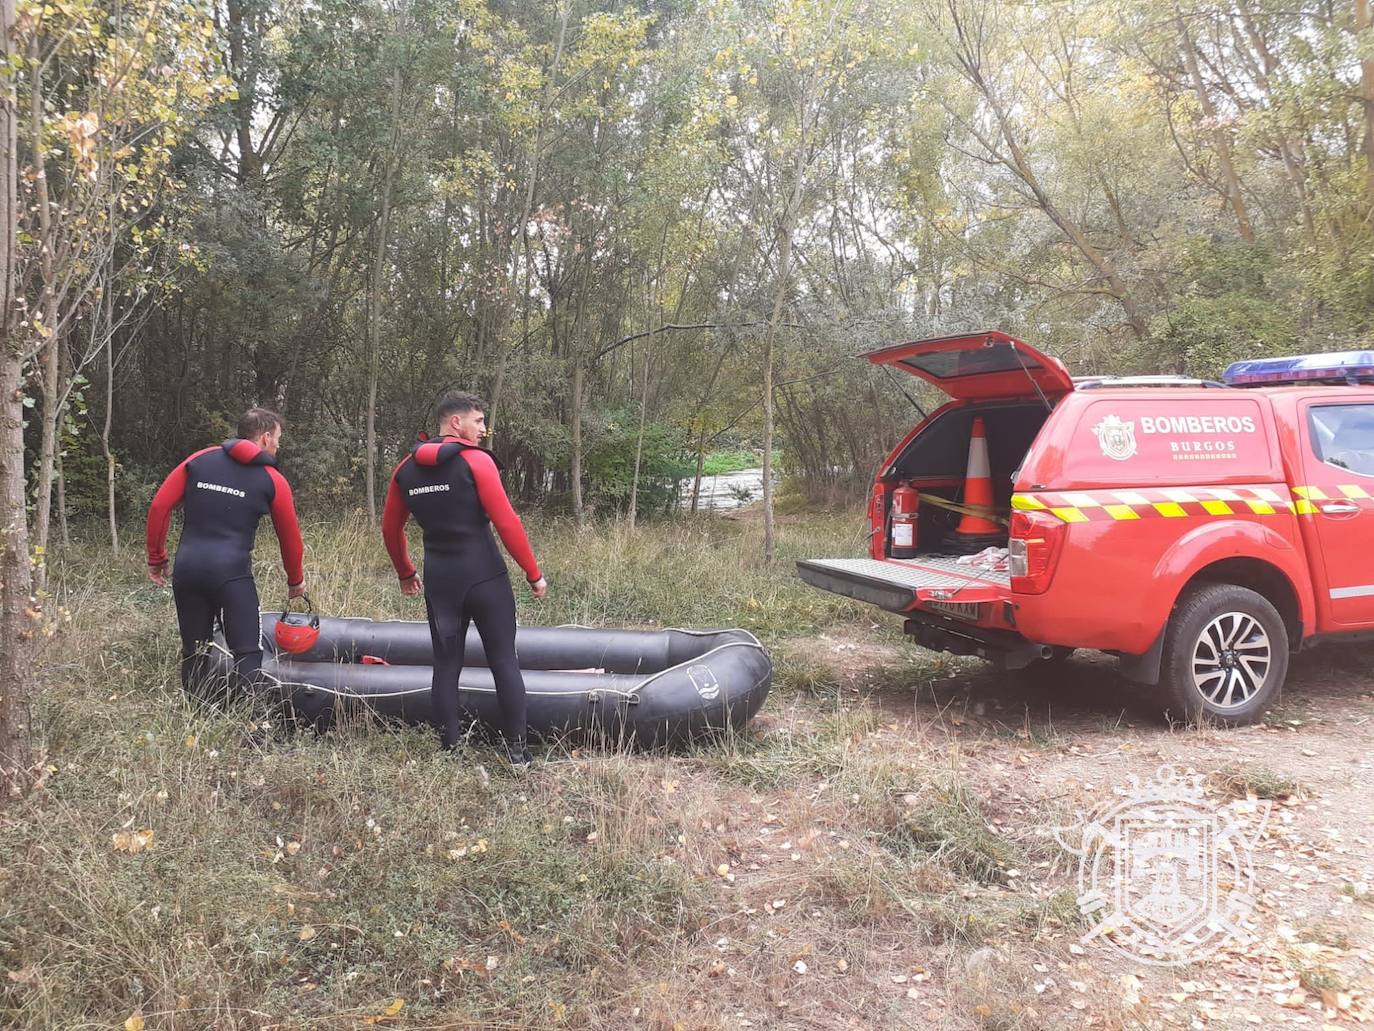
(453,489)
(224,491)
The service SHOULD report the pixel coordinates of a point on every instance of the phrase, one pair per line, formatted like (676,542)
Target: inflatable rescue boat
(642,687)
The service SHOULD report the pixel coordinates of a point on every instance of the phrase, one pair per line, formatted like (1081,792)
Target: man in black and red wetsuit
(225,490)
(453,489)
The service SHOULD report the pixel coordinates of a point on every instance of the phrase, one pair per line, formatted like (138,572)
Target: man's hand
(540,587)
(295,592)
(158,574)
(412,585)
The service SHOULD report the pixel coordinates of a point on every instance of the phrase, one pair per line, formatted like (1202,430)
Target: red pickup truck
(1200,531)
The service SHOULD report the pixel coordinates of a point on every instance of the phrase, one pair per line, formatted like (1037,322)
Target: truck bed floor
(892,583)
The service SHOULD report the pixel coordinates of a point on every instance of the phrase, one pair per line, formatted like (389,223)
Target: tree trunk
(16,677)
(16,624)
(969,57)
(48,307)
(62,499)
(701,437)
(1290,149)
(1230,181)
(575,462)
(105,431)
(527,212)
(701,464)
(47,456)
(643,412)
(374,327)
(244,104)
(788,228)
(1364,23)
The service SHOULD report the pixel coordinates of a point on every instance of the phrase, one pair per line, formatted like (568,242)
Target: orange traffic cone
(978,529)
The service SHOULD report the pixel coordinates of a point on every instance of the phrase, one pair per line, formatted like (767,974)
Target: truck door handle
(1339,508)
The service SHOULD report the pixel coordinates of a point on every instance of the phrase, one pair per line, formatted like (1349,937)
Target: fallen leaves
(1130,991)
(477,848)
(132,842)
(387,1014)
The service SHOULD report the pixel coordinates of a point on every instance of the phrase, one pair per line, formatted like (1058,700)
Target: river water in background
(727,491)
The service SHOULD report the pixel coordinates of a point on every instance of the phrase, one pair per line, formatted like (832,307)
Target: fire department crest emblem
(1164,877)
(1116,438)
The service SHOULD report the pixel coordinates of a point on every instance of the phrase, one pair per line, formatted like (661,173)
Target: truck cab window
(1343,436)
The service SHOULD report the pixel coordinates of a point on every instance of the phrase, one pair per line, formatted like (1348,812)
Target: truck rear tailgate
(898,585)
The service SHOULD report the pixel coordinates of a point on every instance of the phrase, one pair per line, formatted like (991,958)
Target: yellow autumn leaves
(132,842)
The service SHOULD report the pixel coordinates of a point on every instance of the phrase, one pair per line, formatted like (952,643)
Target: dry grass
(799,873)
(1252,779)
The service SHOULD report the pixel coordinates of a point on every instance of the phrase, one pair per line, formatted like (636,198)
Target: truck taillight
(1033,549)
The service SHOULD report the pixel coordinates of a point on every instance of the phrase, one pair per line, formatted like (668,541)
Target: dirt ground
(1043,750)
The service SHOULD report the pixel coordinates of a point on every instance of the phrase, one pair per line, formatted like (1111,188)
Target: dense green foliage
(577,211)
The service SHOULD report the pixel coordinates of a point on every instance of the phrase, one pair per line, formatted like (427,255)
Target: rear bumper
(972,614)
(1009,650)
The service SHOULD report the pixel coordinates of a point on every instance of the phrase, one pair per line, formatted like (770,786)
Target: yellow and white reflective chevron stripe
(1193,502)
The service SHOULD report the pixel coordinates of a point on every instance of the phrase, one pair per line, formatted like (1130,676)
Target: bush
(1238,305)
(608,461)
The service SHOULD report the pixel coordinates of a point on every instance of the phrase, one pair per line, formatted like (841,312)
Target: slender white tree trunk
(16,627)
(374,308)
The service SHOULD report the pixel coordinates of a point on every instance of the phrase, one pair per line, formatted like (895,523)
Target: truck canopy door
(980,366)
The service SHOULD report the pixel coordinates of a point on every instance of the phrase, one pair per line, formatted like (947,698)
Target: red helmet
(297,632)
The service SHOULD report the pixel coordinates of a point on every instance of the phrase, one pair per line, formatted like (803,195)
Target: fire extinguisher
(905,508)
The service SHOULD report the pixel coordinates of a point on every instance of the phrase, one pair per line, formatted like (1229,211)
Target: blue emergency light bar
(1341,367)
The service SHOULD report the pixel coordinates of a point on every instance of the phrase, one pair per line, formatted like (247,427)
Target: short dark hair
(257,421)
(459,402)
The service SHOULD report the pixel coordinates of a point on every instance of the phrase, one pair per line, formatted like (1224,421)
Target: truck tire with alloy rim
(1225,655)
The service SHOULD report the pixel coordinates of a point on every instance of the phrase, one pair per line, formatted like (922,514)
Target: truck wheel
(1225,655)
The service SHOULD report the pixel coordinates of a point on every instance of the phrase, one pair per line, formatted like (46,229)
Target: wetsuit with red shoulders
(453,489)
(223,491)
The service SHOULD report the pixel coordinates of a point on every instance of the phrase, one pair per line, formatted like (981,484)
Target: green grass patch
(719,463)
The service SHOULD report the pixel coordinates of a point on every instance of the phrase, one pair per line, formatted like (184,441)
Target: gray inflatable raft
(642,687)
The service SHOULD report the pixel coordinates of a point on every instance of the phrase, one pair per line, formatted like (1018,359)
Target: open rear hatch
(981,369)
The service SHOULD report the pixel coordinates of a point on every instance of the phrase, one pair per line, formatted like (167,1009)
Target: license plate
(967,610)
